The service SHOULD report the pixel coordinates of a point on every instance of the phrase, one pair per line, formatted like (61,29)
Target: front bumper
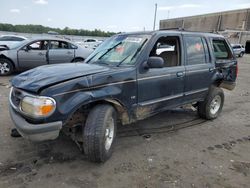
(35,132)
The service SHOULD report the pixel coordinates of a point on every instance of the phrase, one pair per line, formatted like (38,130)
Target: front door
(60,52)
(160,88)
(33,55)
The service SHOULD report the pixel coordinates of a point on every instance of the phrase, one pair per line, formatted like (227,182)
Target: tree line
(43,29)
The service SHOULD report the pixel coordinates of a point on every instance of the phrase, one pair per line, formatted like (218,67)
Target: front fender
(106,87)
(69,103)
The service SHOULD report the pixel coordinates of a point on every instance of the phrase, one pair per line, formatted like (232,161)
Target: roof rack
(174,28)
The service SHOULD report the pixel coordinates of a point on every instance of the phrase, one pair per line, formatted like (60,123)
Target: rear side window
(221,49)
(236,47)
(196,52)
(59,45)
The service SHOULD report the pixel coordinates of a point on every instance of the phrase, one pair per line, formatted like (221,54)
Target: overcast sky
(107,15)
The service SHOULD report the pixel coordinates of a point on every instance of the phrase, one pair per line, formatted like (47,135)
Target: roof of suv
(174,31)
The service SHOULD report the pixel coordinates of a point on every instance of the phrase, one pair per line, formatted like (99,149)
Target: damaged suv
(126,79)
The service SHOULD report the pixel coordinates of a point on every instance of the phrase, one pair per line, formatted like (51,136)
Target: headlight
(38,106)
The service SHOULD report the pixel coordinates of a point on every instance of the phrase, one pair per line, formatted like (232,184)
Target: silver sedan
(33,53)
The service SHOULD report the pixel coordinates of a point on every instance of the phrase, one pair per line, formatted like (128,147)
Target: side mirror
(154,62)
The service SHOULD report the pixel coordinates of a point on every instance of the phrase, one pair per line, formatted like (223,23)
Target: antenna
(155,16)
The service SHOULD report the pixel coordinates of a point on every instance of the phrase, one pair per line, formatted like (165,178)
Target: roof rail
(174,28)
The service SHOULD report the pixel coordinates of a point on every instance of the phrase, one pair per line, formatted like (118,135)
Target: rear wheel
(99,133)
(241,54)
(211,107)
(6,67)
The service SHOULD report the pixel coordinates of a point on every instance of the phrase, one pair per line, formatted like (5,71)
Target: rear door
(60,52)
(199,68)
(33,55)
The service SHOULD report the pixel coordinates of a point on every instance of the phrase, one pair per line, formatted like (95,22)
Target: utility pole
(155,16)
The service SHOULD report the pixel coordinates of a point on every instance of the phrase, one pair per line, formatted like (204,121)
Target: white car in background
(238,49)
(10,40)
(164,48)
(90,43)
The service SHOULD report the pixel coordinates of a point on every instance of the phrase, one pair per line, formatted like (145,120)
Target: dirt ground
(172,149)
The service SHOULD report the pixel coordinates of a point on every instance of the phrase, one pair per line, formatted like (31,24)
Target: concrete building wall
(234,25)
(232,20)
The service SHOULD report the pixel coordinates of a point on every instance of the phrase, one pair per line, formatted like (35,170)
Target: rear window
(221,49)
(236,47)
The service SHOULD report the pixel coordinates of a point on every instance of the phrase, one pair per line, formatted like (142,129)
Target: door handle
(69,52)
(180,74)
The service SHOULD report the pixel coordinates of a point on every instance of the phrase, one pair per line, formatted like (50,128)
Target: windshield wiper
(93,57)
(109,49)
(137,51)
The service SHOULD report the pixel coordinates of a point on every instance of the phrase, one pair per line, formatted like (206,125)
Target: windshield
(120,49)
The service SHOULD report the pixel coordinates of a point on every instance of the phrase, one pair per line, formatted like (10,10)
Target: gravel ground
(172,149)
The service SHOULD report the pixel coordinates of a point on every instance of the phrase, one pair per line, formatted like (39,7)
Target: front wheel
(211,107)
(99,133)
(241,54)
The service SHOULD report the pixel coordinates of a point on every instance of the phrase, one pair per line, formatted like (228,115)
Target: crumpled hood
(47,75)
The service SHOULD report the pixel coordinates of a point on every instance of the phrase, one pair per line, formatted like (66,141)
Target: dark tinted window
(195,50)
(236,47)
(221,50)
(10,38)
(17,39)
(90,40)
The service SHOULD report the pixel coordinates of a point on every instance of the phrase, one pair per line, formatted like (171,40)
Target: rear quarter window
(221,49)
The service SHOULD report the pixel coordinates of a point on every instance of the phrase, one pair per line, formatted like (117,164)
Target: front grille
(16,97)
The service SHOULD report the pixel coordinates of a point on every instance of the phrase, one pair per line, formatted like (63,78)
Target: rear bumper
(35,132)
(228,85)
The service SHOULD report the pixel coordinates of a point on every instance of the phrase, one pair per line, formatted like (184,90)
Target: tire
(78,59)
(212,106)
(6,67)
(99,133)
(241,54)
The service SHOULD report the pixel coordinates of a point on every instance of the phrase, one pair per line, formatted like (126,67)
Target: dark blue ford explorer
(129,77)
